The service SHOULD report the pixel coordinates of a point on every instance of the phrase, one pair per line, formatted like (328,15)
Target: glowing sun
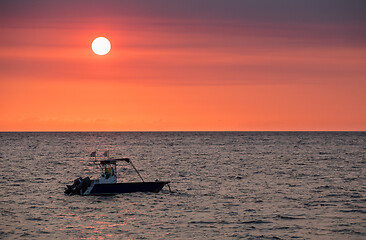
(101,46)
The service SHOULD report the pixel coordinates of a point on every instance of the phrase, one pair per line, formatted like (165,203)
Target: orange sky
(178,70)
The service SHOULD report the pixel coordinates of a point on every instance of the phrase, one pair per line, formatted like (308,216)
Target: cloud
(306,23)
(184,42)
(302,11)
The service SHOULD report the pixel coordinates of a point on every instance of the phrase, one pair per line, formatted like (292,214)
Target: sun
(101,46)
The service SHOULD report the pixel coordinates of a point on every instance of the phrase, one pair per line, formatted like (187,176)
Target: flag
(93,154)
(106,153)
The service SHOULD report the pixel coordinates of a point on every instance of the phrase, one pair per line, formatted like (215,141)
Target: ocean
(225,185)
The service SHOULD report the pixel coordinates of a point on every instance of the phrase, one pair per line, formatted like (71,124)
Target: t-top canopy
(114,161)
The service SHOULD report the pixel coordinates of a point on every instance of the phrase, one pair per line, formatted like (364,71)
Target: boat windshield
(109,170)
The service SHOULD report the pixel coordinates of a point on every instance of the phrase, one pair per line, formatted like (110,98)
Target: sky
(204,65)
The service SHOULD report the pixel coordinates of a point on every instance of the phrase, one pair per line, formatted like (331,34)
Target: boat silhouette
(107,183)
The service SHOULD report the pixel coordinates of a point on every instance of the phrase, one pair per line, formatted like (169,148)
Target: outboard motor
(78,187)
(85,183)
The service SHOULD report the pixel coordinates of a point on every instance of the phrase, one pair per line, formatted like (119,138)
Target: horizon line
(167,131)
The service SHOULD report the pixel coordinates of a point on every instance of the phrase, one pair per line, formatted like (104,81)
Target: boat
(107,183)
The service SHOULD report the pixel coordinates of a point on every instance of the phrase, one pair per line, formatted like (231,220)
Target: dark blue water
(226,185)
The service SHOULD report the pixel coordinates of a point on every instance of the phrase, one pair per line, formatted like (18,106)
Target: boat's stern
(79,186)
